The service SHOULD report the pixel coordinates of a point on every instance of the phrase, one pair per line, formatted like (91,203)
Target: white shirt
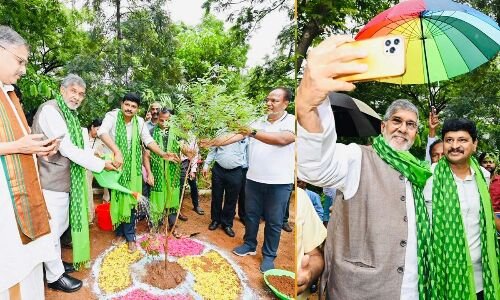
(323,162)
(109,126)
(53,125)
(469,198)
(17,260)
(272,164)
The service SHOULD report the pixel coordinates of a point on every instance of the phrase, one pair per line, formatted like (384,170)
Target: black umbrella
(353,117)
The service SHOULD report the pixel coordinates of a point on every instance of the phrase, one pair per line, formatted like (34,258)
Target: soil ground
(101,240)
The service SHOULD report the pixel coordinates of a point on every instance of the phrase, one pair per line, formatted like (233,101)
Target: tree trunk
(119,36)
(311,31)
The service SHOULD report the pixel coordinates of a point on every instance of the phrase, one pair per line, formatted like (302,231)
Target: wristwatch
(253,133)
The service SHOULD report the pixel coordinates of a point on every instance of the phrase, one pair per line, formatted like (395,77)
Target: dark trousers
(480,295)
(127,229)
(226,185)
(241,196)
(268,200)
(192,183)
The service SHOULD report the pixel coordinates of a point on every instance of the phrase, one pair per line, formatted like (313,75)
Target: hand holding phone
(386,58)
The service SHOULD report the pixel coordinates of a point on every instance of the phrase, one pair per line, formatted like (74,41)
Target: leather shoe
(199,211)
(182,217)
(68,267)
(66,283)
(213,225)
(286,227)
(229,231)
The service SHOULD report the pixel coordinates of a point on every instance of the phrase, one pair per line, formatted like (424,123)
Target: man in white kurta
(19,263)
(21,271)
(49,121)
(323,162)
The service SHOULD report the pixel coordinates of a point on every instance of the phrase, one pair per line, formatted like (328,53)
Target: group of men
(50,193)
(44,195)
(402,229)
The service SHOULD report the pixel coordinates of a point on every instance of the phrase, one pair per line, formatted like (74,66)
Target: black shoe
(213,225)
(66,284)
(199,211)
(286,227)
(68,267)
(228,230)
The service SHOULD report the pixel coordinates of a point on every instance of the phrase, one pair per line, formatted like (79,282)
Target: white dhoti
(31,287)
(20,264)
(58,207)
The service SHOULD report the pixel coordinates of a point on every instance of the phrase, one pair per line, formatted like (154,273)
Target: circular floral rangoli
(210,273)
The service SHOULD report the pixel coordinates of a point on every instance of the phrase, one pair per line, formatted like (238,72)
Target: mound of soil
(156,275)
(284,284)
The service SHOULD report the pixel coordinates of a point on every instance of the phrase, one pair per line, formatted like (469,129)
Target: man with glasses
(377,247)
(24,220)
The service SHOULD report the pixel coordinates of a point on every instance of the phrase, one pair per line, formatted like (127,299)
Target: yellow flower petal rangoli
(215,277)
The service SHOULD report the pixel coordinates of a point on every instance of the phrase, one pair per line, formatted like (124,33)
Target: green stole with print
(131,177)
(452,274)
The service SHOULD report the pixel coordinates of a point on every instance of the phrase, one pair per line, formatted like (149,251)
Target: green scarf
(131,177)
(417,173)
(451,266)
(78,203)
(173,173)
(158,191)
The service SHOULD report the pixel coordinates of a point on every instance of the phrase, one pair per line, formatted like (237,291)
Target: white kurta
(53,125)
(323,162)
(19,262)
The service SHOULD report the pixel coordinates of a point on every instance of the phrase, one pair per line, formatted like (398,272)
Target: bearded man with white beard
(378,246)
(63,180)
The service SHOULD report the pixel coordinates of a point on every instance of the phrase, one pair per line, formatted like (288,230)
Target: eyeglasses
(397,122)
(23,62)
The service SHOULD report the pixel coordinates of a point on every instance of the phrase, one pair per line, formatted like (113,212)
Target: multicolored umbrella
(444,39)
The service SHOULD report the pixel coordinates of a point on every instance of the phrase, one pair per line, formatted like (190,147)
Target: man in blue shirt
(226,182)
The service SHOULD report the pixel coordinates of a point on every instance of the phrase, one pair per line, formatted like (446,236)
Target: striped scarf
(21,173)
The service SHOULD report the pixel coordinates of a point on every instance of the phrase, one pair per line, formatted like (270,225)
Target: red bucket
(103,217)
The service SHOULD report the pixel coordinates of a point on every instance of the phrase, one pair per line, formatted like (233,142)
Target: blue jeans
(268,200)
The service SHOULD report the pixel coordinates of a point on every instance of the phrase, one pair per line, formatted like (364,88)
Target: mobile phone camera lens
(396,42)
(392,50)
(388,42)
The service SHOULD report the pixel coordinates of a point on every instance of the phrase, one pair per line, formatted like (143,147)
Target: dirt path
(101,240)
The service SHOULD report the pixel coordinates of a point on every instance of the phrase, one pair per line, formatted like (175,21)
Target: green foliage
(215,104)
(209,44)
(55,36)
